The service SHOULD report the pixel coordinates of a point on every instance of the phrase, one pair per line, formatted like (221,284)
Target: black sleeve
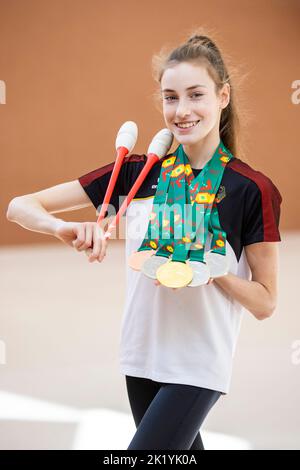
(261,212)
(96,182)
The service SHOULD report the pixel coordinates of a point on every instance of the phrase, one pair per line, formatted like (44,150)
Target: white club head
(127,135)
(161,143)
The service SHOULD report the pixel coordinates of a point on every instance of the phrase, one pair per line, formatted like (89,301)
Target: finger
(95,252)
(104,243)
(88,251)
(80,236)
(88,238)
(103,250)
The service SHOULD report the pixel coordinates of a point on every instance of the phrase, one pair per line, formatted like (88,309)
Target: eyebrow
(189,88)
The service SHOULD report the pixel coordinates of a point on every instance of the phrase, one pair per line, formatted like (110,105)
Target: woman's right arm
(33,212)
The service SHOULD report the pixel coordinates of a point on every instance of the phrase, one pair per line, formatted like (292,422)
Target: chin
(188,139)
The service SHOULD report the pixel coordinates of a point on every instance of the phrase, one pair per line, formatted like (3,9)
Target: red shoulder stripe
(270,196)
(85,180)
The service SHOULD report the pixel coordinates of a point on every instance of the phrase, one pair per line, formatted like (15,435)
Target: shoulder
(134,163)
(136,159)
(261,201)
(255,180)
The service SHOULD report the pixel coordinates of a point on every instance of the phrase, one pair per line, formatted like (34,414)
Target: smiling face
(191,107)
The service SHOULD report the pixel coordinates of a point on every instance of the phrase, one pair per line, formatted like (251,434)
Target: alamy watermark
(2,92)
(2,352)
(295,97)
(295,356)
(174,221)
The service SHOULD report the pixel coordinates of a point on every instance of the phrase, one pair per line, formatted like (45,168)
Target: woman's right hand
(83,236)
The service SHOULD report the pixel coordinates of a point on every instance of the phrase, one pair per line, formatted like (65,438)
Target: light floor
(60,321)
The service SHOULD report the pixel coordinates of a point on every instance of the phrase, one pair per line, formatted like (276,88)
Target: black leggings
(167,415)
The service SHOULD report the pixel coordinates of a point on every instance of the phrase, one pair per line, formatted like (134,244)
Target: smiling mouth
(186,125)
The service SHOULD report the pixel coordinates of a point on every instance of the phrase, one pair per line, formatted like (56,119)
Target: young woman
(177,346)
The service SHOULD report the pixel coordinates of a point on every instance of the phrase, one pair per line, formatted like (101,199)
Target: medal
(151,265)
(183,210)
(137,259)
(218,264)
(153,234)
(201,273)
(217,258)
(175,274)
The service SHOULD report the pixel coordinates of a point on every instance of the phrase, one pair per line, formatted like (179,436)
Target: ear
(225,95)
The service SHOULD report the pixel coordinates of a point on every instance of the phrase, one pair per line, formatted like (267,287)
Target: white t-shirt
(188,335)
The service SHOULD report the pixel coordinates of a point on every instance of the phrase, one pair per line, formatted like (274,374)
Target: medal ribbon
(183,208)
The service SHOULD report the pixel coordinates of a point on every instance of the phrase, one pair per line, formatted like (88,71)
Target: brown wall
(75,70)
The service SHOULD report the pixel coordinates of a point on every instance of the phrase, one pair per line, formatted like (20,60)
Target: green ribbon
(184,208)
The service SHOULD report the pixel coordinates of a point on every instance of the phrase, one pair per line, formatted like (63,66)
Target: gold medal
(137,259)
(174,274)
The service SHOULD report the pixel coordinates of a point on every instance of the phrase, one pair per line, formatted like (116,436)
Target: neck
(201,152)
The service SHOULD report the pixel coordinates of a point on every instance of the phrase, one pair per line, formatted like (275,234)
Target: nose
(182,109)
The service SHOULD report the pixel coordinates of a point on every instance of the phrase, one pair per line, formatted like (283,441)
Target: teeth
(186,125)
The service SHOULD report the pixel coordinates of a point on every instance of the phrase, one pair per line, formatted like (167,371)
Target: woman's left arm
(259,295)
